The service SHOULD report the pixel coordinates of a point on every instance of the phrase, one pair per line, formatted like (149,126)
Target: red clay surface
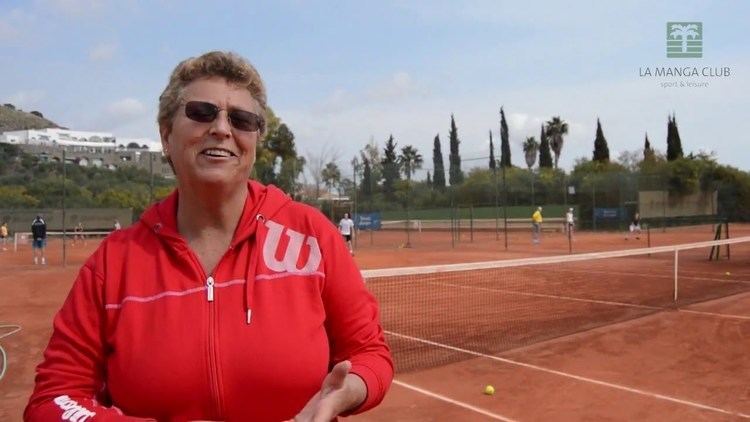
(678,365)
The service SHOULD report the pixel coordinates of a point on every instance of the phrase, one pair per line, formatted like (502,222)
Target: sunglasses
(203,112)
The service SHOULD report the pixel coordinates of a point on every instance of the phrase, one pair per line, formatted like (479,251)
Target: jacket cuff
(374,389)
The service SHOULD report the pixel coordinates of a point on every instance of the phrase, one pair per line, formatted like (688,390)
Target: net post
(471,223)
(15,242)
(726,229)
(676,259)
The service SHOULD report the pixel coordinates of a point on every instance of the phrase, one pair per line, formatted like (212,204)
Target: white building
(73,140)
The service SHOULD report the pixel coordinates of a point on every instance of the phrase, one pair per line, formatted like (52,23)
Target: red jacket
(146,333)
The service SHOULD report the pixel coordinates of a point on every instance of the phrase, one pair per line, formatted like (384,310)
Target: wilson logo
(72,411)
(293,250)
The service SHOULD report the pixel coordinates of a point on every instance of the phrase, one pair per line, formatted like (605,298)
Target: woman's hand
(341,391)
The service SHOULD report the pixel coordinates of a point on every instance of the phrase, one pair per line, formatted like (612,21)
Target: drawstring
(260,235)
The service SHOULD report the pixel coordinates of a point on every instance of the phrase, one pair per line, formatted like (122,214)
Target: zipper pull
(210,288)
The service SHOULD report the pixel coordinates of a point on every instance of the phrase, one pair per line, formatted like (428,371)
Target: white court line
(454,402)
(600,302)
(670,276)
(575,377)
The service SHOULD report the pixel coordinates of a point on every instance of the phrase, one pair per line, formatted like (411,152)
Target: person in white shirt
(346,228)
(569,221)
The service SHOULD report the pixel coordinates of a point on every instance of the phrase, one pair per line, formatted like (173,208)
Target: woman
(227,300)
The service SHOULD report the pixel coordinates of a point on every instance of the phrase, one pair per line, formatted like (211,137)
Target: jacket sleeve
(70,378)
(353,322)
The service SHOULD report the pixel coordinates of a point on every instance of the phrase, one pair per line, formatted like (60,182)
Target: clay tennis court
(599,340)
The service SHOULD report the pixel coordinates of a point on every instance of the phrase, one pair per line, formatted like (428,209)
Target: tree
(315,163)
(649,156)
(493,164)
(331,175)
(504,141)
(601,150)
(390,167)
(530,149)
(545,157)
(371,152)
(674,144)
(556,129)
(366,177)
(410,161)
(455,175)
(429,179)
(438,178)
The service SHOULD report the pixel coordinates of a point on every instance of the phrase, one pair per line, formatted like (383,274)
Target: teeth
(215,152)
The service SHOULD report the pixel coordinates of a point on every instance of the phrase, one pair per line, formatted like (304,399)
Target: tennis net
(434,314)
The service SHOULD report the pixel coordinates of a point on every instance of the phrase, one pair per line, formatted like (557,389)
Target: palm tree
(556,129)
(410,160)
(530,149)
(684,32)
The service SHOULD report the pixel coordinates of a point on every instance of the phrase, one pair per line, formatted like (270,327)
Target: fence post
(676,259)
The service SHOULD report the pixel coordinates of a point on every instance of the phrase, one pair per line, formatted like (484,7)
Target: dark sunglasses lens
(201,111)
(245,120)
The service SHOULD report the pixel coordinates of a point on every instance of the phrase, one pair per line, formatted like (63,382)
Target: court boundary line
(600,302)
(452,401)
(575,377)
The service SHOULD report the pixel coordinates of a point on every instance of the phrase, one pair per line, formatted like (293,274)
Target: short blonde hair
(230,66)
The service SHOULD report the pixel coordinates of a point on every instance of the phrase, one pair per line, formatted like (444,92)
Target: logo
(684,39)
(292,253)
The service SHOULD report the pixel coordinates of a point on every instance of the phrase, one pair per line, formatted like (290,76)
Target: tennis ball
(728,273)
(489,390)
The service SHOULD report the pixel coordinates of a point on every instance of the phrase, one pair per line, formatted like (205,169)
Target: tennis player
(346,228)
(635,227)
(226,301)
(536,225)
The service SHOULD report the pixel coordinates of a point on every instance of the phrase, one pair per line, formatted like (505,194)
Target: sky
(342,74)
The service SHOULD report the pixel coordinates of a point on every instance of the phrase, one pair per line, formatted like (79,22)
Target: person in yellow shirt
(4,235)
(536,225)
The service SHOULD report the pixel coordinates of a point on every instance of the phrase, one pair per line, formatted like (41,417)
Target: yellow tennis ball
(489,390)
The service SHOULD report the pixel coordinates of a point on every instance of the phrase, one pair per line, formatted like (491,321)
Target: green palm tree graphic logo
(684,39)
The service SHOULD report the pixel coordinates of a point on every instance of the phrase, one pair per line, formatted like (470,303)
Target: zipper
(210,289)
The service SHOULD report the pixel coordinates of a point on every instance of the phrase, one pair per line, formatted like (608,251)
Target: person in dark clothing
(39,242)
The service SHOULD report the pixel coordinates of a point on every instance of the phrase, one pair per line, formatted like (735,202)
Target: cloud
(400,85)
(14,24)
(126,109)
(103,52)
(74,8)
(27,99)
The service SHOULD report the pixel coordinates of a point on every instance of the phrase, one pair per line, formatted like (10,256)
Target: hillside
(14,119)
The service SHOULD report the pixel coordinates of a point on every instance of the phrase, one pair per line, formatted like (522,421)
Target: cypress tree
(390,167)
(438,178)
(366,177)
(455,175)
(545,156)
(649,155)
(601,150)
(429,179)
(674,144)
(493,165)
(504,141)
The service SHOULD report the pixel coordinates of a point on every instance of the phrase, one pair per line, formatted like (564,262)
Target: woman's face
(214,152)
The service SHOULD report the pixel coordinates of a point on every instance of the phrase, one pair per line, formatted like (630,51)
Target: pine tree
(649,155)
(455,175)
(493,165)
(674,144)
(390,167)
(504,141)
(438,178)
(545,156)
(601,150)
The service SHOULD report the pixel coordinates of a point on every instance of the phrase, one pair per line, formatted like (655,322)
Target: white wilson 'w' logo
(293,250)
